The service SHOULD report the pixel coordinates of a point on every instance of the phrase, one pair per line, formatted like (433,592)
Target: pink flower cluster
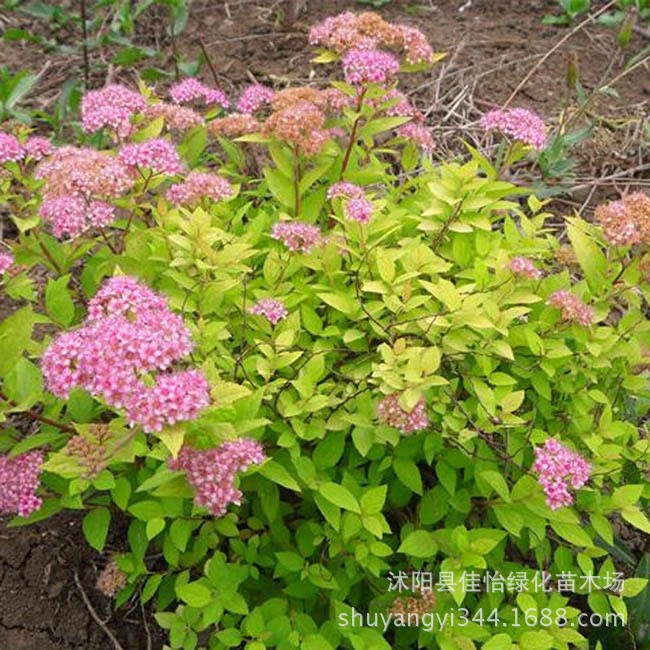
(175,397)
(10,149)
(19,480)
(234,125)
(273,310)
(6,262)
(129,334)
(524,267)
(175,117)
(198,185)
(191,90)
(156,154)
(627,221)
(362,67)
(418,134)
(212,473)
(298,236)
(367,31)
(71,215)
(254,97)
(356,206)
(518,124)
(572,308)
(112,107)
(559,469)
(36,147)
(390,412)
(301,125)
(84,171)
(77,183)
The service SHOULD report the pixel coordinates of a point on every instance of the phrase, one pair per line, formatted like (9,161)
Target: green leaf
(637,518)
(409,474)
(373,499)
(95,527)
(58,301)
(496,481)
(573,533)
(419,543)
(24,384)
(180,532)
(154,526)
(15,336)
(590,256)
(291,561)
(147,510)
(278,474)
(339,496)
(121,492)
(150,587)
(194,594)
(280,187)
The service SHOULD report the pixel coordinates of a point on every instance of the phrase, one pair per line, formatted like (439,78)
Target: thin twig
(208,60)
(38,417)
(91,610)
(84,32)
(556,47)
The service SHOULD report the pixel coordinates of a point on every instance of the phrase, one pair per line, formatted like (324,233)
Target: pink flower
(418,134)
(572,308)
(199,185)
(128,336)
(37,147)
(83,171)
(73,215)
(113,106)
(518,124)
(525,268)
(6,262)
(415,45)
(396,104)
(363,67)
(346,190)
(157,154)
(175,397)
(273,310)
(176,117)
(10,149)
(356,206)
(297,236)
(212,473)
(559,469)
(390,412)
(358,210)
(627,221)
(125,296)
(190,90)
(254,97)
(19,480)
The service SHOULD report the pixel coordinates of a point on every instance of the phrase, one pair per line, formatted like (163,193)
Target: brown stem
(38,417)
(353,133)
(102,232)
(48,255)
(173,40)
(296,181)
(208,60)
(84,45)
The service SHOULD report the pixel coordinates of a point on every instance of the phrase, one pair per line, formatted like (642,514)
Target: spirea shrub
(294,356)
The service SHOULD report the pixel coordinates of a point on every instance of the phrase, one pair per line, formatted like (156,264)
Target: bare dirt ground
(491,46)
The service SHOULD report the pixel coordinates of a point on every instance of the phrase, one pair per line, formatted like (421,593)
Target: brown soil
(41,606)
(491,45)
